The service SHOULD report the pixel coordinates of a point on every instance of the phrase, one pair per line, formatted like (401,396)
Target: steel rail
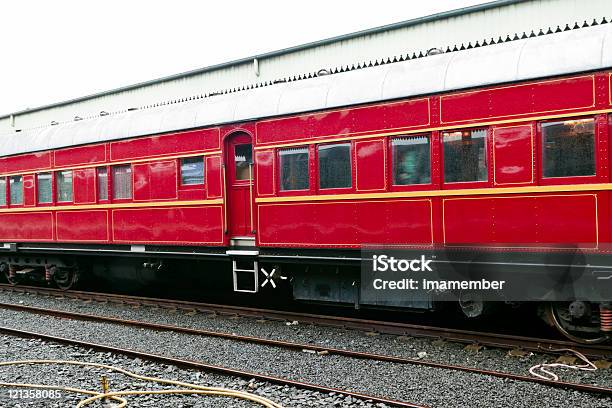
(498,340)
(206,367)
(303,346)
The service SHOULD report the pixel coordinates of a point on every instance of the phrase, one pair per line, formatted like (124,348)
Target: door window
(243,157)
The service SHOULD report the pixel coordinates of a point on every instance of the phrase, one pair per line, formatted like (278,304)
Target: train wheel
(66,278)
(12,279)
(573,320)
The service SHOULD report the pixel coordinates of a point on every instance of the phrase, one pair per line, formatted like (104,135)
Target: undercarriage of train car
(331,282)
(580,320)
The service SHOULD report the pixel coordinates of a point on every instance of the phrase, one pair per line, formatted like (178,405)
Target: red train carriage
(502,150)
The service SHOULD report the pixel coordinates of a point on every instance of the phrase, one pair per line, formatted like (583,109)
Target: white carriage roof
(543,55)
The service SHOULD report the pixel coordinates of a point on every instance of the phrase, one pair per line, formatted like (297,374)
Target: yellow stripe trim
(332,138)
(115,205)
(442,193)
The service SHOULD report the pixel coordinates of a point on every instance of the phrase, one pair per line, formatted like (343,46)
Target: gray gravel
(452,353)
(423,385)
(16,348)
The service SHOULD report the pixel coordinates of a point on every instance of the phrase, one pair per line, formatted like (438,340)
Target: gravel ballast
(16,348)
(434,387)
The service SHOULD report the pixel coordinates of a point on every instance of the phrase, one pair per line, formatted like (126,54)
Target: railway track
(263,341)
(296,346)
(199,365)
(497,340)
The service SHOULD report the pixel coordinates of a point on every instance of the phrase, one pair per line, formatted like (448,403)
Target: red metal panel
(467,221)
(192,194)
(346,223)
(515,221)
(338,122)
(25,162)
(27,226)
(84,186)
(516,100)
(176,143)
(80,155)
(513,154)
(610,88)
(186,226)
(142,187)
(214,176)
(155,181)
(163,180)
(29,190)
(370,165)
(278,130)
(568,219)
(265,174)
(602,144)
(406,114)
(540,221)
(82,226)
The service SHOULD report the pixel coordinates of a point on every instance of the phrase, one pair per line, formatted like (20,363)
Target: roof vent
(322,72)
(103,113)
(434,51)
(77,118)
(53,123)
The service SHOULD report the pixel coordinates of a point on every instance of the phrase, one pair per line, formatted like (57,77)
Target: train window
(122,181)
(411,160)
(294,169)
(335,166)
(16,187)
(43,183)
(243,158)
(192,170)
(465,156)
(102,183)
(568,148)
(63,183)
(2,190)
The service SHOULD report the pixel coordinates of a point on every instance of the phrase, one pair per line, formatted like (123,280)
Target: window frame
(51,178)
(549,181)
(6,192)
(432,166)
(233,171)
(458,185)
(335,190)
(57,190)
(194,186)
(112,183)
(278,171)
(108,184)
(9,190)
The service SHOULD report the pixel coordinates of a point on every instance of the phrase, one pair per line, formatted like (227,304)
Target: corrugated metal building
(470,25)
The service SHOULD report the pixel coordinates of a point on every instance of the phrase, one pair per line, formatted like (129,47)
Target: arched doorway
(239,176)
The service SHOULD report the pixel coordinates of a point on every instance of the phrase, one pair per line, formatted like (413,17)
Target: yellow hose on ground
(116,396)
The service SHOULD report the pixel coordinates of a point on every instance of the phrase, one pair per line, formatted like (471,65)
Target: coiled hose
(543,370)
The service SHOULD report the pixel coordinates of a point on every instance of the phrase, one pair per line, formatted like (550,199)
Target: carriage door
(239,179)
